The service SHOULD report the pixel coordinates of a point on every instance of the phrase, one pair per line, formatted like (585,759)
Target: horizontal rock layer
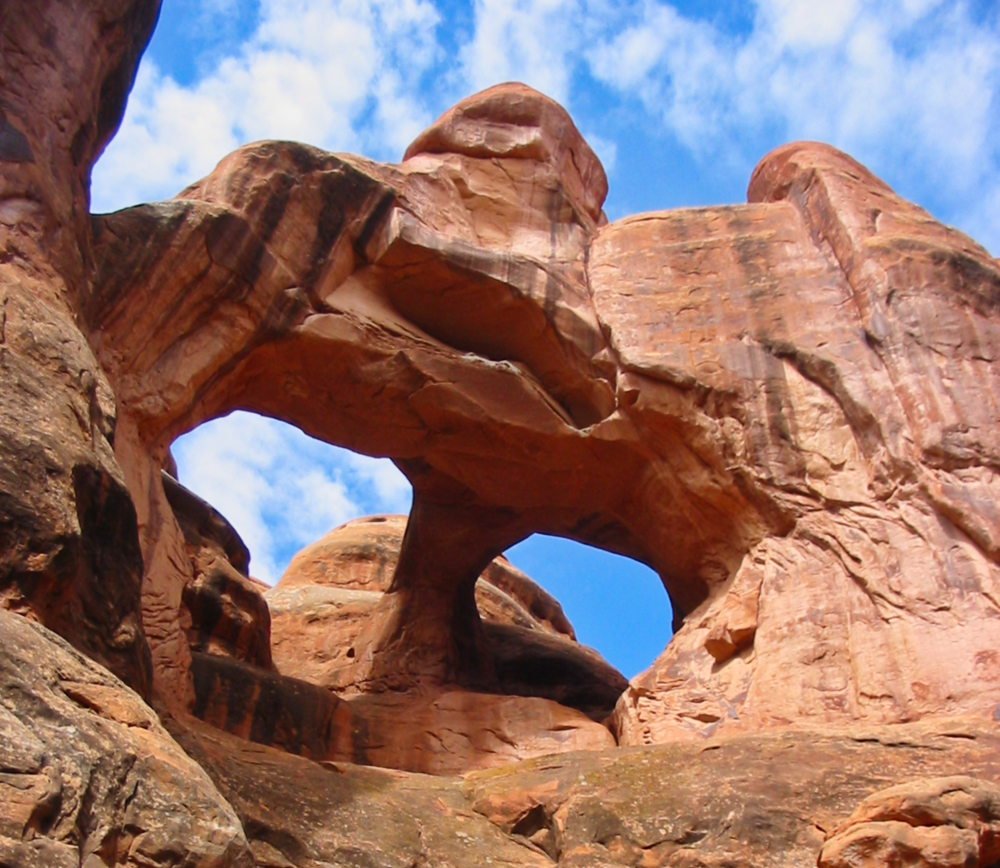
(753,801)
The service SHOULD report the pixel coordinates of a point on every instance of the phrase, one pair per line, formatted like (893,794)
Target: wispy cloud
(911,88)
(280,489)
(340,74)
(537,42)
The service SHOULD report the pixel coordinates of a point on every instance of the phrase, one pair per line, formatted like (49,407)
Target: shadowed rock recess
(790,409)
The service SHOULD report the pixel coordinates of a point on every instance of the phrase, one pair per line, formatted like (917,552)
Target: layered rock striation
(787,408)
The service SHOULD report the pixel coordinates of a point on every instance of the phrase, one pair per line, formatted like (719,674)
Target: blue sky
(680,100)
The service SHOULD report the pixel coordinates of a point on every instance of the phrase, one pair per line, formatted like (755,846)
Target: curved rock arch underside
(790,409)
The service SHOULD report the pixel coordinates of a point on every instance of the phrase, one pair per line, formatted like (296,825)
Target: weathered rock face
(88,776)
(69,551)
(940,821)
(439,731)
(548,695)
(303,813)
(844,346)
(267,708)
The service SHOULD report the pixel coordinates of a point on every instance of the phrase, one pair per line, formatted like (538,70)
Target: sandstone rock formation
(702,422)
(549,695)
(753,801)
(941,821)
(88,776)
(790,409)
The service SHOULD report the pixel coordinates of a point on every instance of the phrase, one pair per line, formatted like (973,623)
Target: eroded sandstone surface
(547,694)
(89,776)
(790,409)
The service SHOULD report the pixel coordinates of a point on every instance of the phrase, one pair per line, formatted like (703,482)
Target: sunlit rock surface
(89,776)
(543,693)
(790,409)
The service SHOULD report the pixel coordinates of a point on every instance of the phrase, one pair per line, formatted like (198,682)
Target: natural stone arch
(662,388)
(286,269)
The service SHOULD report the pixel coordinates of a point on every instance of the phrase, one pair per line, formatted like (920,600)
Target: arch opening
(282,491)
(332,653)
(280,488)
(616,604)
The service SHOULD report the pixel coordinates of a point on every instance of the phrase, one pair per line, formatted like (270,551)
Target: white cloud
(280,489)
(532,41)
(170,136)
(340,74)
(809,23)
(672,64)
(911,88)
(392,490)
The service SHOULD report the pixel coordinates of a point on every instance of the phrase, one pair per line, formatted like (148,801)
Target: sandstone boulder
(952,821)
(88,776)
(361,555)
